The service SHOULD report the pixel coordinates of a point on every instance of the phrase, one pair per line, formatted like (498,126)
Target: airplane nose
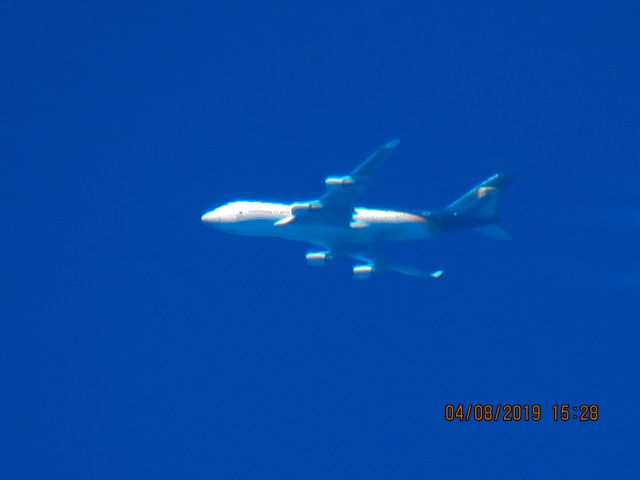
(210,217)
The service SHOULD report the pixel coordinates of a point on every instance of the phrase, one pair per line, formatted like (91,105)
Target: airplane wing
(336,205)
(379,263)
(342,191)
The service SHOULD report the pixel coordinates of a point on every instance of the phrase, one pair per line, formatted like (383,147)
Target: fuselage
(367,225)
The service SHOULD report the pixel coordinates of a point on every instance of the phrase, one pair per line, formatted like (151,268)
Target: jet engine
(305,207)
(339,181)
(362,272)
(318,258)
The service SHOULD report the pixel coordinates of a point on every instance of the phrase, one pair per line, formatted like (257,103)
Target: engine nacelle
(318,258)
(362,272)
(304,208)
(337,181)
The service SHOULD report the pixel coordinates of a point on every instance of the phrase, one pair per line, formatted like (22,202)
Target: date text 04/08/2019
(515,412)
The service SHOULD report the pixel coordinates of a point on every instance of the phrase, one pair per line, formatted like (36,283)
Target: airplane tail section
(478,208)
(481,202)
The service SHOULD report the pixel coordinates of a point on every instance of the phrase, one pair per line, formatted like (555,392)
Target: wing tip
(436,274)
(392,143)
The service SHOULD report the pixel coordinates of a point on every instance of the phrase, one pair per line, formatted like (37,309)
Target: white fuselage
(367,226)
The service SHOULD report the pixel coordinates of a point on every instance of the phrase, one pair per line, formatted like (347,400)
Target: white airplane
(341,229)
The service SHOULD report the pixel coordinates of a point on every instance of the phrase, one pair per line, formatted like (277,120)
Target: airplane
(341,229)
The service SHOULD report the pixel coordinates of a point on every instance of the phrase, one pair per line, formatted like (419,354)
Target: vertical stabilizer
(481,202)
(478,208)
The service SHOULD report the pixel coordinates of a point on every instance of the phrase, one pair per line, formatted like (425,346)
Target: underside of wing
(378,263)
(369,262)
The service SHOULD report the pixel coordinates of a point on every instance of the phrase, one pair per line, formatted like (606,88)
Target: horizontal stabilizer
(494,231)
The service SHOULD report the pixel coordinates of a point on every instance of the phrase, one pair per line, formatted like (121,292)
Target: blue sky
(138,343)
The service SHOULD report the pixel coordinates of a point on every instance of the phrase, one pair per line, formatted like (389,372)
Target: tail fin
(481,202)
(478,208)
